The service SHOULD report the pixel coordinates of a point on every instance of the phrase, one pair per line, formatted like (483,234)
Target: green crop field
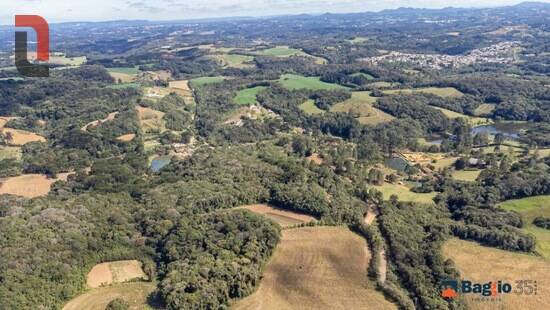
(205,80)
(530,208)
(248,96)
(309,107)
(124,70)
(293,81)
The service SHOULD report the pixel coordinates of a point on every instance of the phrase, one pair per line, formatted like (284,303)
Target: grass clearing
(135,293)
(530,208)
(124,70)
(445,92)
(20,137)
(360,106)
(310,108)
(317,268)
(29,185)
(150,120)
(114,272)
(127,137)
(483,264)
(484,109)
(234,60)
(124,85)
(473,120)
(367,76)
(382,84)
(10,152)
(293,82)
(281,217)
(466,175)
(247,96)
(404,193)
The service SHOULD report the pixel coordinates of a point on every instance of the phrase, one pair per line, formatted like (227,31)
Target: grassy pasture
(404,193)
(124,70)
(281,217)
(466,175)
(293,82)
(445,92)
(484,109)
(316,268)
(483,264)
(367,76)
(205,80)
(310,108)
(383,84)
(10,152)
(473,120)
(285,51)
(247,96)
(236,61)
(360,105)
(530,208)
(135,293)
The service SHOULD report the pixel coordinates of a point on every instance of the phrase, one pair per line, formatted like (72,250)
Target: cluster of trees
(542,222)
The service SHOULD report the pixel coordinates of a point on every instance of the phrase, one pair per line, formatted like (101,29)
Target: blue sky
(98,10)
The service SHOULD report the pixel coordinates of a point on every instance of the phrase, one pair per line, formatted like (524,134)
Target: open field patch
(233,60)
(293,81)
(382,84)
(310,108)
(4,120)
(150,120)
(124,70)
(282,217)
(135,294)
(126,138)
(473,120)
(29,185)
(360,106)
(247,96)
(13,152)
(20,137)
(530,208)
(484,109)
(251,112)
(181,84)
(404,193)
(114,272)
(466,175)
(483,264)
(317,268)
(445,92)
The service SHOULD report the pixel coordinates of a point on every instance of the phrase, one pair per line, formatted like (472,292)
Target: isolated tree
(117,304)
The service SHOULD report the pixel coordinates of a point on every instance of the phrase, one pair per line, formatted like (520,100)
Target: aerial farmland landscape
(276,155)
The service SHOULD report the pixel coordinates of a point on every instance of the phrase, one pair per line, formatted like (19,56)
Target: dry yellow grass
(315,158)
(150,120)
(114,272)
(135,294)
(484,264)
(183,85)
(4,120)
(317,268)
(466,175)
(122,77)
(282,217)
(29,185)
(126,138)
(360,106)
(21,137)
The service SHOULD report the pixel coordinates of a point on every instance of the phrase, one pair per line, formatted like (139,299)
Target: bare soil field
(109,117)
(282,217)
(483,264)
(135,293)
(315,158)
(29,185)
(114,272)
(21,137)
(317,268)
(127,138)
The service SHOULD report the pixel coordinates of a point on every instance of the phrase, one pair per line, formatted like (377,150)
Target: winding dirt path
(383,266)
